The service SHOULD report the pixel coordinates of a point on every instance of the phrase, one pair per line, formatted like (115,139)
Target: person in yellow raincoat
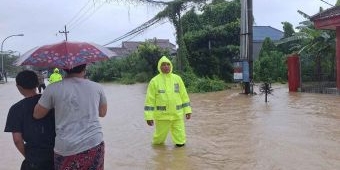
(166,103)
(55,76)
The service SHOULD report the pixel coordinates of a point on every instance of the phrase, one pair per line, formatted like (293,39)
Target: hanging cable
(78,13)
(137,30)
(327,3)
(86,16)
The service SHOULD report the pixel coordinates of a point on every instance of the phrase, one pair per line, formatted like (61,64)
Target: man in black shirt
(33,138)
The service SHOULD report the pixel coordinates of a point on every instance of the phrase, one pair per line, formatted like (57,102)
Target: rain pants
(166,103)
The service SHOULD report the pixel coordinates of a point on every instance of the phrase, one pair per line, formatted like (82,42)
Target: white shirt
(76,102)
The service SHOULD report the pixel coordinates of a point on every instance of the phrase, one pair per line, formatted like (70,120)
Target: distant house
(262,32)
(129,47)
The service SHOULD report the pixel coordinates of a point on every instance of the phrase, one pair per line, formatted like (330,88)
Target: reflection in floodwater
(228,130)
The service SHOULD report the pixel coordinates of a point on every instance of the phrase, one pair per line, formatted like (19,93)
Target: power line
(78,13)
(135,31)
(83,14)
(326,3)
(139,33)
(86,16)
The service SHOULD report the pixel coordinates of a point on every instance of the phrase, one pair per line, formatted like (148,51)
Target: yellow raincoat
(55,76)
(166,103)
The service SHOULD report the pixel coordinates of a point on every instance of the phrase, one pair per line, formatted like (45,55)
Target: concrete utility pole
(246,43)
(64,32)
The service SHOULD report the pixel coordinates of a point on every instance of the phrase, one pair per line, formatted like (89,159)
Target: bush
(206,85)
(142,77)
(210,85)
(189,79)
(127,78)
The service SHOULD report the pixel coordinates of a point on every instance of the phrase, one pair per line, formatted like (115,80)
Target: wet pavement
(228,130)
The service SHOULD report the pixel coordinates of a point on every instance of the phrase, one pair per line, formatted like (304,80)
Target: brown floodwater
(228,131)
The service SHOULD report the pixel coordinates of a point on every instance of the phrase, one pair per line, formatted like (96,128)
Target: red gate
(293,65)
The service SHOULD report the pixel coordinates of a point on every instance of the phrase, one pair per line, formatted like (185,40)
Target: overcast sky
(41,20)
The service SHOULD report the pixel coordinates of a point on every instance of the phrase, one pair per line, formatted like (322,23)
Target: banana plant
(310,41)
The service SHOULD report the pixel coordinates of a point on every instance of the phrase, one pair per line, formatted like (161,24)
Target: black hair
(77,69)
(27,79)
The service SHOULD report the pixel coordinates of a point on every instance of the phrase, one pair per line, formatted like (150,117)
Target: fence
(322,83)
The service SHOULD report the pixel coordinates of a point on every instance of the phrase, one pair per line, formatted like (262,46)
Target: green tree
(11,69)
(211,46)
(267,45)
(318,45)
(139,66)
(270,65)
(288,29)
(151,54)
(337,3)
(191,22)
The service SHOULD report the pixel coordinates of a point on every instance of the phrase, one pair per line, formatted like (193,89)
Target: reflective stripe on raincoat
(166,97)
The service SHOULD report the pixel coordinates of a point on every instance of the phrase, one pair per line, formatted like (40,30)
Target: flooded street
(227,131)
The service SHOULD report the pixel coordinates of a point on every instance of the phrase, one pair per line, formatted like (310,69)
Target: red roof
(328,19)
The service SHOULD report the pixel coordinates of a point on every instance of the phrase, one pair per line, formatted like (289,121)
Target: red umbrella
(65,55)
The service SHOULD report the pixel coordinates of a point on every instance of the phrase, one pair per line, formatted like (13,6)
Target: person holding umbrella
(78,104)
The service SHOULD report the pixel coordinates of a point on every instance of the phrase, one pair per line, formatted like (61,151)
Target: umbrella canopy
(65,55)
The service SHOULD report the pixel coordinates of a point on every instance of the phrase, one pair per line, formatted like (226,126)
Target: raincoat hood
(56,70)
(164,59)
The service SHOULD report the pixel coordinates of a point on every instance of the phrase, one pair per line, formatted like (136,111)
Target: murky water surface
(228,130)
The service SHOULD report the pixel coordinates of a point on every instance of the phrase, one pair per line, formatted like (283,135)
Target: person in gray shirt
(78,104)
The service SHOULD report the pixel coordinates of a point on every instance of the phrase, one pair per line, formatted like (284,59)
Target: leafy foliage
(140,66)
(8,60)
(270,67)
(317,45)
(209,44)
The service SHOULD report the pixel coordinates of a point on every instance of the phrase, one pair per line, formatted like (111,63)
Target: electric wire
(83,14)
(137,30)
(140,29)
(86,16)
(78,13)
(327,3)
(139,33)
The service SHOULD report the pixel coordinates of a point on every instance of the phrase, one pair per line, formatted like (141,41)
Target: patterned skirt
(92,159)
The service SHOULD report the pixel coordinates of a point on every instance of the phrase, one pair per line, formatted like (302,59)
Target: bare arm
(19,142)
(40,111)
(102,110)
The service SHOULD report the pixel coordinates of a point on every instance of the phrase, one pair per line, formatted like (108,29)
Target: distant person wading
(55,76)
(41,79)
